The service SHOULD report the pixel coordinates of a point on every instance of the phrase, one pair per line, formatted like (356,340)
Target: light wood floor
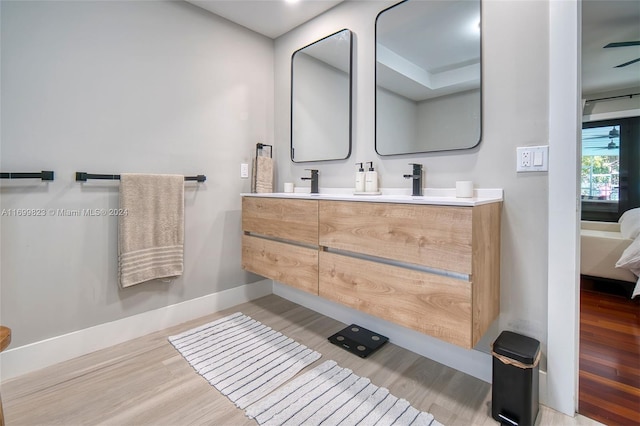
(146,381)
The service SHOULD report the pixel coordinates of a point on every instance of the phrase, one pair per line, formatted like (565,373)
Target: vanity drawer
(438,237)
(293,220)
(432,304)
(287,263)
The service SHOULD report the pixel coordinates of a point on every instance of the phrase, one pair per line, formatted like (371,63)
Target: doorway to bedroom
(609,350)
(609,357)
(609,363)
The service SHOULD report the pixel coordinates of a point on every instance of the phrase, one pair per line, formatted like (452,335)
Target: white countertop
(432,196)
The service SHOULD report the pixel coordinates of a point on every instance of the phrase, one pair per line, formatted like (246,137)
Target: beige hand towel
(253,175)
(264,174)
(151,232)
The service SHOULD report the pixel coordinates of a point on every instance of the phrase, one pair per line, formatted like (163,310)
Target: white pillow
(630,258)
(630,223)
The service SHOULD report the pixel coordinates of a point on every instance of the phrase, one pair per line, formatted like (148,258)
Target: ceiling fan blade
(627,63)
(623,44)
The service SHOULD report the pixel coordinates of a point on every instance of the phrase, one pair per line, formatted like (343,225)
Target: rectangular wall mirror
(428,77)
(321,84)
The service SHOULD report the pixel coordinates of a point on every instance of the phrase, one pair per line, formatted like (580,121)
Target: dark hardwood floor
(609,389)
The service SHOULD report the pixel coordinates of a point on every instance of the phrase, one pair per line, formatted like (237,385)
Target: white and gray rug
(241,357)
(332,395)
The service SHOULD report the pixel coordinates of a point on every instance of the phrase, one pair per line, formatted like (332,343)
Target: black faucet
(417,179)
(313,179)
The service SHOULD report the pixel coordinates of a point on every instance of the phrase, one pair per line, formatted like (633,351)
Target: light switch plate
(244,171)
(532,158)
(537,158)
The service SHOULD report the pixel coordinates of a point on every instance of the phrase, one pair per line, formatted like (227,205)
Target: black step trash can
(514,394)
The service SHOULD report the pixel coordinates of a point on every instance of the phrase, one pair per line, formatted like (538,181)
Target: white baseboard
(34,356)
(543,394)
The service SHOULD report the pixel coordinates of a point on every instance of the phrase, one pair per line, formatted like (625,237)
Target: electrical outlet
(532,158)
(244,171)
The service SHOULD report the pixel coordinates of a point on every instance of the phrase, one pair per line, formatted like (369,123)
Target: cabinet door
(432,304)
(438,237)
(286,263)
(293,220)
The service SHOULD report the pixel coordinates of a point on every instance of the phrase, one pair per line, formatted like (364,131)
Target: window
(610,175)
(601,163)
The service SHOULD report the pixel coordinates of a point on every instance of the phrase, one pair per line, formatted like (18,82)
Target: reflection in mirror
(428,76)
(321,99)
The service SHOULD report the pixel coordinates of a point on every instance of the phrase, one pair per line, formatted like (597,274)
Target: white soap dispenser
(360,177)
(371,179)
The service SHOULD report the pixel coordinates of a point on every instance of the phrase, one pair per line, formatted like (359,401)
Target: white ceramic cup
(288,187)
(464,189)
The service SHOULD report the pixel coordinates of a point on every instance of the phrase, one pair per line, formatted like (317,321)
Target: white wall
(121,86)
(515,113)
(563,305)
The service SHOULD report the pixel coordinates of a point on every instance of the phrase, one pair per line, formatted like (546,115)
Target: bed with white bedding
(612,249)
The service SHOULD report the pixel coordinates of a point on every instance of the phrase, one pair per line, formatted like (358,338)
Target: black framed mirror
(428,77)
(321,111)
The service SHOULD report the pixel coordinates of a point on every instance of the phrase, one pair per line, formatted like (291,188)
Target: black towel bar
(44,175)
(84,176)
(259,146)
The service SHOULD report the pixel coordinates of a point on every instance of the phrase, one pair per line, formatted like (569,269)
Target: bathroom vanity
(428,263)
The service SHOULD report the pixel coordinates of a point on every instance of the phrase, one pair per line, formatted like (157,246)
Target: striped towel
(151,232)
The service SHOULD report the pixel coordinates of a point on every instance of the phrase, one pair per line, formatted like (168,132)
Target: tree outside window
(600,178)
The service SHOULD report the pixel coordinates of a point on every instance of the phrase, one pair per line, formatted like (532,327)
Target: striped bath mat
(241,357)
(332,395)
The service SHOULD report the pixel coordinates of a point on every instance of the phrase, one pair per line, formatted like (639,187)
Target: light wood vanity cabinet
(280,240)
(431,268)
(435,269)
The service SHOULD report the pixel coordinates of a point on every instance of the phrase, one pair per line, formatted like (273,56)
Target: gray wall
(109,87)
(515,113)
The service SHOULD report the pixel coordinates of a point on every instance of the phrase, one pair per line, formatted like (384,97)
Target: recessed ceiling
(603,22)
(271,18)
(428,49)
